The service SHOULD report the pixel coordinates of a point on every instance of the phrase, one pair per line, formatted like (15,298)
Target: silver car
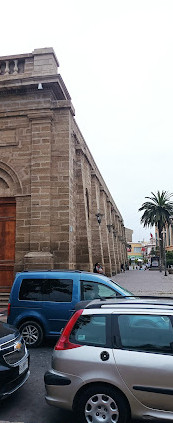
(114,361)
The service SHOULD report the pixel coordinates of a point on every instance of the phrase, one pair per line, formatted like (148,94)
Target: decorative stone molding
(10,180)
(43,115)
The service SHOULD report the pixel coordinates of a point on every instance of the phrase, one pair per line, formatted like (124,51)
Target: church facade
(56,211)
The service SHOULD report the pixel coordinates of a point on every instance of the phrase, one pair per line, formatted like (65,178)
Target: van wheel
(32,333)
(101,403)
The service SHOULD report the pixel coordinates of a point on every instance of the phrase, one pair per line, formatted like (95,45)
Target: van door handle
(104,356)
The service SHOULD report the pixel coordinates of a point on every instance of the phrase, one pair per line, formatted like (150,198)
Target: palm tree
(158,211)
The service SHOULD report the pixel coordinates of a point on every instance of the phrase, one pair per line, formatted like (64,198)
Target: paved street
(146,282)
(28,404)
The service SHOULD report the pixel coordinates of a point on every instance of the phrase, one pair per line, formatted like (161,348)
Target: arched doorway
(7,240)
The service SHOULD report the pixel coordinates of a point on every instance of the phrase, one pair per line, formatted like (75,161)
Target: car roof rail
(130,300)
(60,270)
(51,270)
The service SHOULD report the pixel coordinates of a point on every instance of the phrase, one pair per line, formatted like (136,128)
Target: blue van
(41,302)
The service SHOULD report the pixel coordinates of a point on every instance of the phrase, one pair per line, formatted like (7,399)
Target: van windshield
(120,290)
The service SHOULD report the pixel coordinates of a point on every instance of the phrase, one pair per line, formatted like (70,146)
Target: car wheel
(101,403)
(32,333)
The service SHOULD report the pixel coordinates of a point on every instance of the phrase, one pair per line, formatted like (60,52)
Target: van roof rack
(54,270)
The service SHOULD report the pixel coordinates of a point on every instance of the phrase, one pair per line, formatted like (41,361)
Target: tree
(153,252)
(158,212)
(169,258)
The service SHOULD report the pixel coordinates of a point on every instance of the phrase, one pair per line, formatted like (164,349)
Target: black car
(14,360)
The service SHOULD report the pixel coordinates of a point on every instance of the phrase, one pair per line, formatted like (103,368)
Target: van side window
(92,290)
(56,290)
(31,290)
(61,290)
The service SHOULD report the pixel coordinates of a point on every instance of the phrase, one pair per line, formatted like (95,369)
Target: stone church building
(56,211)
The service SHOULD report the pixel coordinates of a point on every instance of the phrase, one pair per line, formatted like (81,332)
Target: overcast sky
(116,59)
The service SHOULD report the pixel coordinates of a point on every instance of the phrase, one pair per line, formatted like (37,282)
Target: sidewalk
(146,282)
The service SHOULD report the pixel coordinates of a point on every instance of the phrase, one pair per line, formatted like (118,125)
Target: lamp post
(164,232)
(165,263)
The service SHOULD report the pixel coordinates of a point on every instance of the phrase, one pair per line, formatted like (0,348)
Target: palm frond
(158,210)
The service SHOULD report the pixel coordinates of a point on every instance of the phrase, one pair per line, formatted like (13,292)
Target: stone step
(5,289)
(4,304)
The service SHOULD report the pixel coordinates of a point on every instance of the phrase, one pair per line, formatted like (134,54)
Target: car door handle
(104,355)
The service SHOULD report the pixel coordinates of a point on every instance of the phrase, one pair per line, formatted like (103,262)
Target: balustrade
(12,67)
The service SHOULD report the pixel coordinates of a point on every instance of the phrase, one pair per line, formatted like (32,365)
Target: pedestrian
(98,268)
(122,267)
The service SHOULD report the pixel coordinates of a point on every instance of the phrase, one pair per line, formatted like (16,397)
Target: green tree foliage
(153,252)
(157,212)
(169,258)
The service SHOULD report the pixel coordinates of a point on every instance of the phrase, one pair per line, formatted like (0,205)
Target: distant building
(167,237)
(149,246)
(128,234)
(140,250)
(134,251)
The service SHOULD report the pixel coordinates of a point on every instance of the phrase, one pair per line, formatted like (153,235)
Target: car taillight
(63,342)
(8,309)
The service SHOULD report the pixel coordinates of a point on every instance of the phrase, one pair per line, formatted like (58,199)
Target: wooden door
(7,240)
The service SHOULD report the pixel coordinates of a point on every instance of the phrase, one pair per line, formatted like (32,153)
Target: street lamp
(164,232)
(165,263)
(99,217)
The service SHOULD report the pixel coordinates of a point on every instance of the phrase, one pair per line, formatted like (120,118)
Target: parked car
(41,302)
(14,360)
(114,361)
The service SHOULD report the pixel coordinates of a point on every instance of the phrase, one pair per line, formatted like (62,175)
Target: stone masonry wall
(65,215)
